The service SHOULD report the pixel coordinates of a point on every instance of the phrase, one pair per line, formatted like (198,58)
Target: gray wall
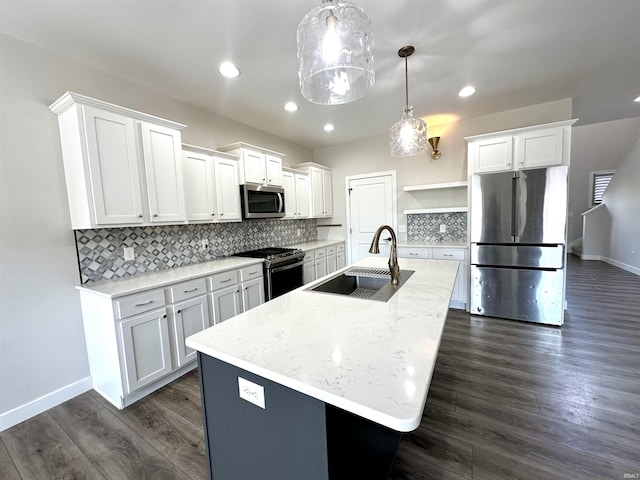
(42,347)
(600,146)
(622,198)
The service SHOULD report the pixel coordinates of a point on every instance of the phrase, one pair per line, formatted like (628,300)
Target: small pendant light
(409,135)
(335,53)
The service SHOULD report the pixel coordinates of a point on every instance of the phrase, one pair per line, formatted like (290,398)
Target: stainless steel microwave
(259,201)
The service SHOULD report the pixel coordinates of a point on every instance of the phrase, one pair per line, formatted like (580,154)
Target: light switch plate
(251,392)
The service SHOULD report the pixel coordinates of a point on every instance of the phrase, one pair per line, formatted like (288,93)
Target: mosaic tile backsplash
(101,256)
(425,227)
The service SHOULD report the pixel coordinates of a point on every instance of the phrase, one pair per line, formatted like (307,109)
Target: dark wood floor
(508,400)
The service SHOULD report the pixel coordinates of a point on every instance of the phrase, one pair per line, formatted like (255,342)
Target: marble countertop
(162,278)
(434,244)
(308,246)
(374,359)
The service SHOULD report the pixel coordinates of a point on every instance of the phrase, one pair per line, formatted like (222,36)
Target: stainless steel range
(282,269)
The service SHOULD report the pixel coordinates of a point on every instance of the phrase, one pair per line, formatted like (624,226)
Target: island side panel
(359,449)
(286,439)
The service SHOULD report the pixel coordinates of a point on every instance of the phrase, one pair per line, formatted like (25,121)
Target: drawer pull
(225,281)
(447,254)
(414,254)
(190,290)
(143,304)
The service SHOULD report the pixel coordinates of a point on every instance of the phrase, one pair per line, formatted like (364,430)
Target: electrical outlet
(443,228)
(205,243)
(129,254)
(251,392)
(402,228)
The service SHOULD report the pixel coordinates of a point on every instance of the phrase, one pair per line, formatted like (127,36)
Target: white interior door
(372,202)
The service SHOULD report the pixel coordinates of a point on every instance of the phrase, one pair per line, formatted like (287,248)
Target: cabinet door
(320,267)
(340,260)
(308,272)
(302,195)
(198,186)
(225,303)
(492,155)
(113,164)
(227,190)
(290,197)
(332,263)
(539,148)
(147,354)
(253,165)
(327,193)
(317,195)
(252,293)
(162,156)
(189,317)
(273,170)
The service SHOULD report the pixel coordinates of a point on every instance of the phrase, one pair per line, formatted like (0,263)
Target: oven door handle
(287,267)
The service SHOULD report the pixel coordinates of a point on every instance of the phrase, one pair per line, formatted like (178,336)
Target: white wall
(600,146)
(372,155)
(622,199)
(42,352)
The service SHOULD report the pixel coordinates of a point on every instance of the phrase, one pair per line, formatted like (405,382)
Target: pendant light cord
(406,83)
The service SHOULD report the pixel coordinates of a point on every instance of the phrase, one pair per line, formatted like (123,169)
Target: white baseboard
(591,257)
(39,405)
(623,266)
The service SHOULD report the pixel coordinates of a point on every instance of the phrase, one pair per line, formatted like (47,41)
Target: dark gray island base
(294,437)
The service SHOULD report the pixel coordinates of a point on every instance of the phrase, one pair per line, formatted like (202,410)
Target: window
(599,182)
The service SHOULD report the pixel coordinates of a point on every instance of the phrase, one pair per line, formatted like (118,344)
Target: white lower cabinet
(146,350)
(320,262)
(308,268)
(189,317)
(341,260)
(323,261)
(225,303)
(459,294)
(136,343)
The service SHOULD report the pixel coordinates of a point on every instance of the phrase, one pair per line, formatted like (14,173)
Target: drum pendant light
(335,53)
(409,135)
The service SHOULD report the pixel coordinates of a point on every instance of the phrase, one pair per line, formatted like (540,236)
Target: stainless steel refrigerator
(518,235)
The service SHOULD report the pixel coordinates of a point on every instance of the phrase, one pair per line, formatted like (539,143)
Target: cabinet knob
(164,316)
(155,215)
(140,215)
(213,214)
(179,311)
(222,214)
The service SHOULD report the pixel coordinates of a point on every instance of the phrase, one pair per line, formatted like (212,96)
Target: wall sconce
(433,141)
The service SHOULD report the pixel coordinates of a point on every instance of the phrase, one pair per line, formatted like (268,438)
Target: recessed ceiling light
(290,106)
(329,127)
(637,99)
(467,91)
(229,70)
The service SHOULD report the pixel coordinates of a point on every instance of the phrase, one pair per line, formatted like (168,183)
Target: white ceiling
(516,52)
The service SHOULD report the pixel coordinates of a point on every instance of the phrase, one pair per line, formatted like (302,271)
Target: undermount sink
(361,282)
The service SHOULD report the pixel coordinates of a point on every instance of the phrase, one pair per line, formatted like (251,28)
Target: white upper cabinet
(296,194)
(162,156)
(122,167)
(211,185)
(520,149)
(320,185)
(257,165)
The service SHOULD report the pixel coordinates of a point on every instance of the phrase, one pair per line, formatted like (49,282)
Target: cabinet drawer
(224,279)
(331,250)
(413,252)
(140,303)
(184,290)
(340,247)
(448,254)
(320,253)
(251,272)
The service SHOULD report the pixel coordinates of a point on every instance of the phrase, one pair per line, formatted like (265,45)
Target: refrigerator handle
(514,206)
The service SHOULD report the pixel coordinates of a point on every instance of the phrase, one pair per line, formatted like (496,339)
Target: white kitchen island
(339,378)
